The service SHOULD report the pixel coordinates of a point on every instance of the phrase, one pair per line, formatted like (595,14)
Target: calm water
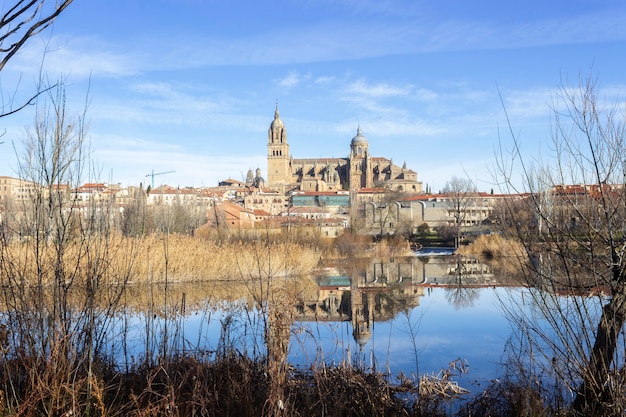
(409,315)
(437,330)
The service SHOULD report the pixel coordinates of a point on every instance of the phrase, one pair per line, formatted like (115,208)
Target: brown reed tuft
(155,258)
(496,249)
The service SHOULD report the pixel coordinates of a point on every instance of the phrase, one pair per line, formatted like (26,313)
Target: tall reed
(189,259)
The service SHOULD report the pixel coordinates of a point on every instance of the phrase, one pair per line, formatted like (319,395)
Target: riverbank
(236,385)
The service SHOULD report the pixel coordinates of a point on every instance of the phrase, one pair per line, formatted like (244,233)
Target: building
(256,180)
(435,210)
(166,195)
(94,192)
(358,170)
(320,227)
(231,216)
(16,190)
(337,202)
(270,201)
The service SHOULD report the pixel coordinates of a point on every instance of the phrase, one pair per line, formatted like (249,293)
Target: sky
(191,86)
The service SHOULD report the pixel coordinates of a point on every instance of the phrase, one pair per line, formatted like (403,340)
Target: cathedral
(359,170)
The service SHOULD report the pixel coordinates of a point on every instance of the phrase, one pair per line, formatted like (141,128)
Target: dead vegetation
(232,385)
(443,385)
(503,254)
(491,247)
(189,259)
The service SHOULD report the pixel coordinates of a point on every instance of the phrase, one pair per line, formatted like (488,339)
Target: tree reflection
(461,295)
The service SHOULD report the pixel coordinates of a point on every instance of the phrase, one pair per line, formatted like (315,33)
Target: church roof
(320,161)
(231,182)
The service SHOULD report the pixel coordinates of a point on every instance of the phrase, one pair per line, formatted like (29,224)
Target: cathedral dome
(276,123)
(359,139)
(362,337)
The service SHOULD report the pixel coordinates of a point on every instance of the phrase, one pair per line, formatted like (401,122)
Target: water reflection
(403,314)
(384,313)
(380,288)
(359,295)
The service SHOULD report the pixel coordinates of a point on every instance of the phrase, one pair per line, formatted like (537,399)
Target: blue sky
(191,85)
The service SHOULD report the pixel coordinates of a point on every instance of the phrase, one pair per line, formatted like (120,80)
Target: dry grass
(160,270)
(392,247)
(498,250)
(190,259)
(158,258)
(236,386)
(344,391)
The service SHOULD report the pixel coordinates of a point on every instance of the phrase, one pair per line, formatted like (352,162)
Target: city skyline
(191,86)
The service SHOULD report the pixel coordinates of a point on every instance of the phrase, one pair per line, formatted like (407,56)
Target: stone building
(270,201)
(15,189)
(358,170)
(230,216)
(255,180)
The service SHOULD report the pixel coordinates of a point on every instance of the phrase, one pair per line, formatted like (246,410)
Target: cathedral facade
(357,171)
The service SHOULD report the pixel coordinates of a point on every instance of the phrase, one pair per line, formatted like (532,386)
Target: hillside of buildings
(304,197)
(234,206)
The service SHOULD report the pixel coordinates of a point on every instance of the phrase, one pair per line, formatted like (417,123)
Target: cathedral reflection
(378,289)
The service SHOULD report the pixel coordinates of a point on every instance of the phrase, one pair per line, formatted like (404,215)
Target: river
(401,316)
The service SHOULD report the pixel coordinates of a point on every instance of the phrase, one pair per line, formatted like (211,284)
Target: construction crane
(153,174)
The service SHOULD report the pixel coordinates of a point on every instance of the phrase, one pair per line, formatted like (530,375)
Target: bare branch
(21,22)
(571,226)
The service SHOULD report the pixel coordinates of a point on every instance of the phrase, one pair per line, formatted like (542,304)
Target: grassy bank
(236,385)
(233,385)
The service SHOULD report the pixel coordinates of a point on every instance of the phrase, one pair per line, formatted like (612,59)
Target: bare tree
(461,294)
(180,216)
(383,217)
(21,21)
(59,280)
(461,195)
(573,256)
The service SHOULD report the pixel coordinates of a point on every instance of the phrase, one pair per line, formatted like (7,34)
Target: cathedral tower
(277,153)
(360,171)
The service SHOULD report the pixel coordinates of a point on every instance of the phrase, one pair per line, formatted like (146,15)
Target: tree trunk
(595,387)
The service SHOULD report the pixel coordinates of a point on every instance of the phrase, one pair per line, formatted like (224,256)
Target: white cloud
(290,81)
(155,88)
(76,57)
(357,35)
(425,94)
(342,39)
(324,80)
(361,87)
(164,104)
(114,142)
(524,105)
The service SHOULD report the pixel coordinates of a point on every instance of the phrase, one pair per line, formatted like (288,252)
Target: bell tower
(360,169)
(277,153)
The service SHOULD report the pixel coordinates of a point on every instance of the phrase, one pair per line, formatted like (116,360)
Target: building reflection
(378,289)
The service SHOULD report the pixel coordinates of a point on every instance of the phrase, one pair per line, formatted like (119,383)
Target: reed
(496,249)
(189,259)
